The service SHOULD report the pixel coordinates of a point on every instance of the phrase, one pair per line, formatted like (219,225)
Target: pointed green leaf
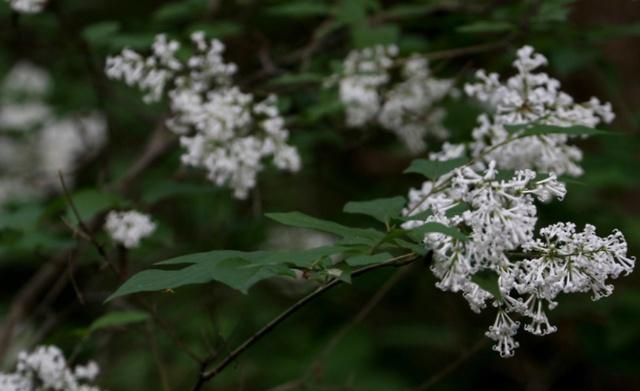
(293,257)
(488,281)
(297,219)
(381,209)
(237,273)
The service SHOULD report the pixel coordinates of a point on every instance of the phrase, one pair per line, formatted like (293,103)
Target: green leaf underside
(541,130)
(300,220)
(238,269)
(237,273)
(118,318)
(434,169)
(381,209)
(264,258)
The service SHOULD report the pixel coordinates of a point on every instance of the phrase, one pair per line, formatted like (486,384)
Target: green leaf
(363,260)
(299,9)
(297,219)
(294,257)
(485,27)
(381,209)
(418,233)
(419,248)
(541,130)
(24,218)
(459,208)
(434,169)
(237,273)
(100,33)
(488,281)
(118,318)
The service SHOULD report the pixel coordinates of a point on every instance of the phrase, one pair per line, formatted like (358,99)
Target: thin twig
(87,232)
(207,375)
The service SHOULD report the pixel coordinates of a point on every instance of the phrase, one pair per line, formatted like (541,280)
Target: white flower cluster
(222,129)
(530,97)
(45,369)
(400,94)
(34,143)
(27,6)
(497,213)
(128,228)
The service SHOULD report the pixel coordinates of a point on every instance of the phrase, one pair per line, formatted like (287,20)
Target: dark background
(414,335)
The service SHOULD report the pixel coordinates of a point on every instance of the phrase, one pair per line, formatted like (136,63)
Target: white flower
(34,143)
(27,6)
(530,97)
(64,143)
(128,228)
(22,95)
(222,129)
(503,330)
(569,261)
(45,369)
(407,107)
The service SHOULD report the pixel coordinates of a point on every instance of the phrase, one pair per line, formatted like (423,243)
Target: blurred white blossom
(22,97)
(530,97)
(27,6)
(128,228)
(46,369)
(222,129)
(35,144)
(405,104)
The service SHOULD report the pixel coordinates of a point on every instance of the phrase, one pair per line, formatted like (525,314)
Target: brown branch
(358,318)
(207,375)
(87,233)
